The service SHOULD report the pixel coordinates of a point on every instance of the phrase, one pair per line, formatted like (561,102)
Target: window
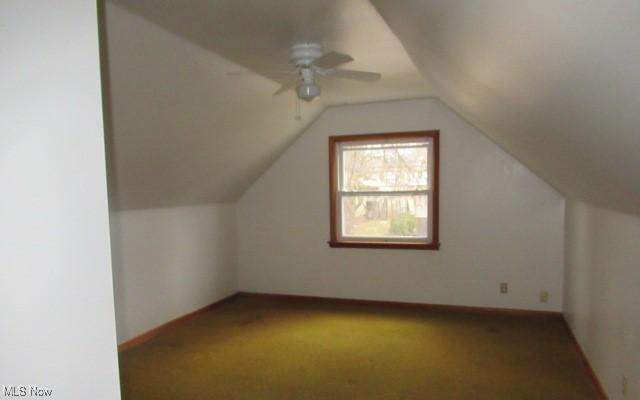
(384,190)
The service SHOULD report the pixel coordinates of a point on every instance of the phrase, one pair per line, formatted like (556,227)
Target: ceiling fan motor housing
(303,54)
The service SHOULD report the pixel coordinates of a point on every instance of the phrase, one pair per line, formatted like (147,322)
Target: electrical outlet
(504,287)
(624,386)
(544,296)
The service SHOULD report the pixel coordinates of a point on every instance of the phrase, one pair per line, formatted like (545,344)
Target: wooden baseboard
(436,307)
(169,325)
(602,395)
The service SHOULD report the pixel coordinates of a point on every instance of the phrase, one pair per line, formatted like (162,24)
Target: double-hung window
(384,190)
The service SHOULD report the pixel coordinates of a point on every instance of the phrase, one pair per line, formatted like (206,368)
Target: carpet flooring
(267,349)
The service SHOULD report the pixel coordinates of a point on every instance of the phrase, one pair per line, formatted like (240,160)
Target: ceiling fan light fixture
(308,91)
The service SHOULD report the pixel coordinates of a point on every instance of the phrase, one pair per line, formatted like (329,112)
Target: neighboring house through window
(384,190)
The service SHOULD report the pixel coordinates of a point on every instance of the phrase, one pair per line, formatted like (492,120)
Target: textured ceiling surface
(555,83)
(185,132)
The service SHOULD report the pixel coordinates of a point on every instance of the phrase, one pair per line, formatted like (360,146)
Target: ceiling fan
(309,61)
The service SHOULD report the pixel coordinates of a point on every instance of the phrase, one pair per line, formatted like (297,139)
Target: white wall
(602,292)
(169,262)
(57,328)
(499,222)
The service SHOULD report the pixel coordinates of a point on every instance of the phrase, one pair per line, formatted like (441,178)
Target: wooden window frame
(335,241)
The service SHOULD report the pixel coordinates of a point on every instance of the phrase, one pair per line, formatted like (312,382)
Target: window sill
(385,245)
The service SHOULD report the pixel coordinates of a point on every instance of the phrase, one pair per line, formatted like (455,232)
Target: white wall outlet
(504,287)
(544,296)
(625,385)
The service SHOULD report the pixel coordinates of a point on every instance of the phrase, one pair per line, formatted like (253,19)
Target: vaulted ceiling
(555,83)
(184,131)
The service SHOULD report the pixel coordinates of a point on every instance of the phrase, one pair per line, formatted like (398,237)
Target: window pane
(385,216)
(385,167)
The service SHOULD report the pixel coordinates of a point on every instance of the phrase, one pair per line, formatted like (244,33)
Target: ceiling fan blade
(332,60)
(362,76)
(285,87)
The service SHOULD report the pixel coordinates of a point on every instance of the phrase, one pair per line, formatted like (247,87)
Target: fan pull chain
(298,117)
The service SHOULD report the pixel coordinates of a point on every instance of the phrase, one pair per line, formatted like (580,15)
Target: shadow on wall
(117,261)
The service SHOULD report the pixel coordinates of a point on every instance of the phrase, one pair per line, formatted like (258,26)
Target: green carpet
(275,349)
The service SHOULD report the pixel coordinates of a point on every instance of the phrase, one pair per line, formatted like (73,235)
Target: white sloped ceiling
(555,83)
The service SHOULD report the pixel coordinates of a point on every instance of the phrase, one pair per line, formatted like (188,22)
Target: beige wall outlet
(544,296)
(504,287)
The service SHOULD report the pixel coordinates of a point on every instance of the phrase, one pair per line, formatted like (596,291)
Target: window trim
(335,241)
